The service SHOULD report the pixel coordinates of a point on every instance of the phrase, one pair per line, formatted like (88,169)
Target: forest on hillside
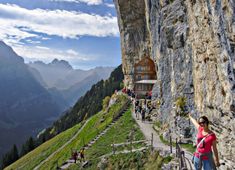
(86,106)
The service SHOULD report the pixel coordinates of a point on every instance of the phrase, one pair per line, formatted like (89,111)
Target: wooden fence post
(57,165)
(176,150)
(131,139)
(152,141)
(83,142)
(170,144)
(113,148)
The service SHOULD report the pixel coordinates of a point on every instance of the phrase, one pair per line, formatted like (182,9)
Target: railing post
(183,161)
(113,149)
(151,141)
(170,144)
(83,141)
(57,165)
(170,141)
(176,149)
(131,139)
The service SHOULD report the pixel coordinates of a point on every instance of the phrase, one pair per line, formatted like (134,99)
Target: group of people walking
(81,154)
(142,108)
(206,154)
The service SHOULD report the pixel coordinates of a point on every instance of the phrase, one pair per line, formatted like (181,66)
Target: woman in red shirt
(206,142)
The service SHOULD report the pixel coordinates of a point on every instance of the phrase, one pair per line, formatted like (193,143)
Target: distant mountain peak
(61,64)
(7,53)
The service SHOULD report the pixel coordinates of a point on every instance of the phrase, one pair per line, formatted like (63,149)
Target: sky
(83,32)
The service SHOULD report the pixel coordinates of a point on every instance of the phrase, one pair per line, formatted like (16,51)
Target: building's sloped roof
(146,82)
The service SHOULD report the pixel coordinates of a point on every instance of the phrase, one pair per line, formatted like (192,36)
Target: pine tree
(10,157)
(23,150)
(15,154)
(29,145)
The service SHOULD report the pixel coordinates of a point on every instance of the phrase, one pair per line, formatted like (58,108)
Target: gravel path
(147,129)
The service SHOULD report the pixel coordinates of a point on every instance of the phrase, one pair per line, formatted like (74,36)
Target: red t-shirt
(206,145)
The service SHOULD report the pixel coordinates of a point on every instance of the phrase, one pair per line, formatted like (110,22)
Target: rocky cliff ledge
(192,44)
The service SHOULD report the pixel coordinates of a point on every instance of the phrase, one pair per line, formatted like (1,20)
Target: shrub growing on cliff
(106,102)
(180,106)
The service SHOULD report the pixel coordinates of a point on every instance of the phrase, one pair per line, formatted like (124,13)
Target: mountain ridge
(69,83)
(25,105)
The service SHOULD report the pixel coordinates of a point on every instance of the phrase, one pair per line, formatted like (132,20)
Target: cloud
(12,35)
(19,23)
(32,53)
(88,2)
(110,5)
(33,42)
(41,47)
(70,51)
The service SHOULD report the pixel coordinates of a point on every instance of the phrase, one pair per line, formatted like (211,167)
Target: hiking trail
(147,129)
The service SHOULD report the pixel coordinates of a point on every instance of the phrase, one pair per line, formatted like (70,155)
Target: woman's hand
(195,123)
(189,114)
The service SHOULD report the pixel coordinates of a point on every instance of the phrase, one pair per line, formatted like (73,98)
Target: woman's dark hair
(205,119)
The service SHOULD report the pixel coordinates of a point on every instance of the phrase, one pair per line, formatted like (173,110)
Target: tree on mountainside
(88,105)
(9,157)
(29,145)
(91,102)
(106,102)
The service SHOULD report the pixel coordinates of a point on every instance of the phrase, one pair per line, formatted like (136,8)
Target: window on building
(146,77)
(138,68)
(138,87)
(148,68)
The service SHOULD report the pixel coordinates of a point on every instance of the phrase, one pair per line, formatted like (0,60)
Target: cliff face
(192,43)
(134,35)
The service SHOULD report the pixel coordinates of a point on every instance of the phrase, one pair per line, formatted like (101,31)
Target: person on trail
(206,142)
(137,103)
(139,111)
(82,154)
(128,92)
(124,90)
(143,114)
(136,106)
(75,156)
(132,94)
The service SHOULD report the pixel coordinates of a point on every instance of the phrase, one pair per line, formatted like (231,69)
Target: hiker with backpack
(143,111)
(82,154)
(136,108)
(206,142)
(75,156)
(139,109)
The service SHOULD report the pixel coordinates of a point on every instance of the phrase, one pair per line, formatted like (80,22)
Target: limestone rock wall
(134,35)
(192,43)
(211,34)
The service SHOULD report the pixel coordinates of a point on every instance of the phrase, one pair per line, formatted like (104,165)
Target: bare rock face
(211,35)
(134,33)
(192,43)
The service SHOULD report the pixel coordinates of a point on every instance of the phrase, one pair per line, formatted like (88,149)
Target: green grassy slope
(90,131)
(118,133)
(42,152)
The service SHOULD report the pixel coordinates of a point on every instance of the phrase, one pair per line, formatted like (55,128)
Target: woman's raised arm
(195,123)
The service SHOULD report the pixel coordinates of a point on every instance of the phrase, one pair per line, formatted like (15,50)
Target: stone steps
(93,141)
